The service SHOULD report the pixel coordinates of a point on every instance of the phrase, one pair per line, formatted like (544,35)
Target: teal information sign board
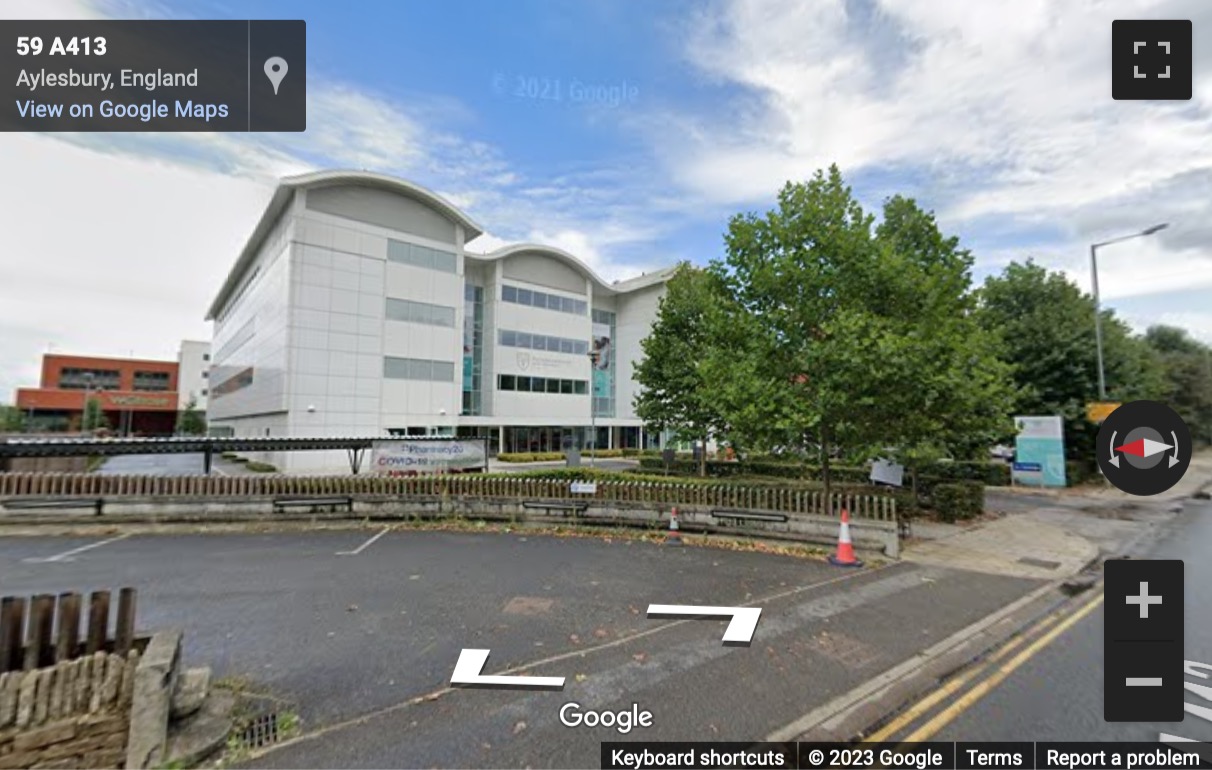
(1039,452)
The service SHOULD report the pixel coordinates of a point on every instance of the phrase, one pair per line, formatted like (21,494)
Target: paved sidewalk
(1018,546)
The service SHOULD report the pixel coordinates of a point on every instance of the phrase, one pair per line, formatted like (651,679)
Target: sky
(672,117)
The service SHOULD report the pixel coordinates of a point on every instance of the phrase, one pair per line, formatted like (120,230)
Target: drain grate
(263,731)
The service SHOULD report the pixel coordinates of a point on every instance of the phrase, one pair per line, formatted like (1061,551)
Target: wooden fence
(787,499)
(44,629)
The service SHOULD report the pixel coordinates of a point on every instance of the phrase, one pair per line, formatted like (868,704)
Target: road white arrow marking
(1192,668)
(471,663)
(739,632)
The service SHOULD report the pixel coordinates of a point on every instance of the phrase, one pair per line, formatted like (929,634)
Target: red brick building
(138,397)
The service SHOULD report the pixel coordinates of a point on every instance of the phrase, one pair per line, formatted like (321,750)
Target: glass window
(538,342)
(397,251)
(445,316)
(443,371)
(566,386)
(523,340)
(582,307)
(206,356)
(506,382)
(582,348)
(445,261)
(509,338)
(396,311)
(394,368)
(581,387)
(419,370)
(568,304)
(509,293)
(553,385)
(525,297)
(204,391)
(565,346)
(524,384)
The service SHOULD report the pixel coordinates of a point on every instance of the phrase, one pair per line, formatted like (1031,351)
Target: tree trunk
(913,480)
(703,460)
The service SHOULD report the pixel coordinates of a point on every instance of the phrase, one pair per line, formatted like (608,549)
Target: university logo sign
(524,361)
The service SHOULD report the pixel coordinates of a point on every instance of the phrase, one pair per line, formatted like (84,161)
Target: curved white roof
(285,193)
(607,287)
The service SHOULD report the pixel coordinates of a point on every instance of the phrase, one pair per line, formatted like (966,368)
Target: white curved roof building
(355,309)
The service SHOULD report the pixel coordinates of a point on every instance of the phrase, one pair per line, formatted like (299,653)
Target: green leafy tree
(838,335)
(94,416)
(12,420)
(957,396)
(191,421)
(1045,329)
(1187,365)
(675,393)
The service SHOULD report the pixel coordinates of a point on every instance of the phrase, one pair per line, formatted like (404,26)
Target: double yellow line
(949,714)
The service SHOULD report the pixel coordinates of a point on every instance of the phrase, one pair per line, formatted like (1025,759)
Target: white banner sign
(404,456)
(887,472)
(584,487)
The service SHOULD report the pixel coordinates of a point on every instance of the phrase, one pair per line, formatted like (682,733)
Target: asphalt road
(356,628)
(1056,694)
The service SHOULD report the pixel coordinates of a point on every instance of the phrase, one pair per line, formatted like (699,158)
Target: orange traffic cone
(845,548)
(673,538)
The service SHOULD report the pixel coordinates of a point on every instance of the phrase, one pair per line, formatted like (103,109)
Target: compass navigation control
(1144,448)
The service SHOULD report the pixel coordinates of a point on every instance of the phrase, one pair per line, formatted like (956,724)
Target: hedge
(959,501)
(992,474)
(257,467)
(541,457)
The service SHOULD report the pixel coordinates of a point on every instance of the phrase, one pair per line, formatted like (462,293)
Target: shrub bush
(959,500)
(994,474)
(529,457)
(257,467)
(1081,472)
(547,457)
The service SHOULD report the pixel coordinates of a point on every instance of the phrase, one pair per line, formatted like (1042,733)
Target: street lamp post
(1098,313)
(593,410)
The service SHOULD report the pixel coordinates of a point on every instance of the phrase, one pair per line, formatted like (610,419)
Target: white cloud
(1004,108)
(110,254)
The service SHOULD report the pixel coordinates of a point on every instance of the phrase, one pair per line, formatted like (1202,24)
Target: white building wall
(313,327)
(636,312)
(193,365)
(251,338)
(534,408)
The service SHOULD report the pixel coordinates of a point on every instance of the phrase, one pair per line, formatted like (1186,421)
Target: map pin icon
(275,70)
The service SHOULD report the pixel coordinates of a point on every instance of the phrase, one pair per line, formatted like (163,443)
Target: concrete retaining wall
(73,714)
(870,535)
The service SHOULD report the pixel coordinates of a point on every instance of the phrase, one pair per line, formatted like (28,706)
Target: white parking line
(67,555)
(365,545)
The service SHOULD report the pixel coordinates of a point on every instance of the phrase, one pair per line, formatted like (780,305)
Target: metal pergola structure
(207,446)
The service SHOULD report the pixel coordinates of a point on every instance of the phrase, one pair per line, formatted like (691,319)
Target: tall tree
(1187,364)
(1046,332)
(957,397)
(845,336)
(675,393)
